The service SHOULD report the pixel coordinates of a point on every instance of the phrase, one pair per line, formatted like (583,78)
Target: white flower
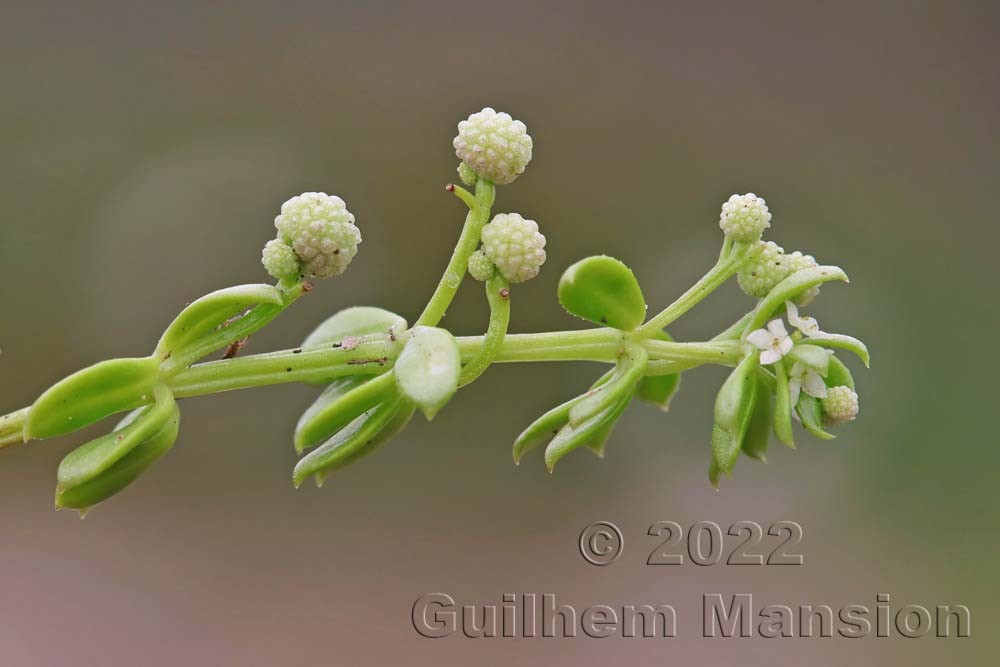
(807,325)
(773,342)
(803,378)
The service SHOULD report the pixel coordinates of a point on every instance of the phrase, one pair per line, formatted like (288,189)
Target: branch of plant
(475,220)
(730,261)
(377,353)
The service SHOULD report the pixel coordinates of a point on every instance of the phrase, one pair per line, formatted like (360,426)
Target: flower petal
(813,385)
(793,314)
(769,356)
(760,339)
(786,345)
(777,327)
(807,325)
(794,387)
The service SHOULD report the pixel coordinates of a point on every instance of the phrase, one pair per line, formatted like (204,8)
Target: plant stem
(317,365)
(729,263)
(498,296)
(374,354)
(477,217)
(723,352)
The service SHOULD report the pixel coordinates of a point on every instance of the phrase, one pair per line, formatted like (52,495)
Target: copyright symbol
(601,543)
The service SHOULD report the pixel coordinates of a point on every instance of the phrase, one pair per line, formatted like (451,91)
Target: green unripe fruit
(515,246)
(798,262)
(321,231)
(279,259)
(468,176)
(493,145)
(480,266)
(768,268)
(840,405)
(745,217)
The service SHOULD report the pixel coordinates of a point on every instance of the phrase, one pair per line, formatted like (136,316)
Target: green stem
(729,263)
(723,352)
(498,296)
(476,219)
(372,356)
(313,366)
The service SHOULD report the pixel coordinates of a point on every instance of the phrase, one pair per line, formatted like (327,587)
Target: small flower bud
(279,259)
(468,176)
(768,268)
(515,246)
(744,217)
(480,266)
(797,262)
(493,145)
(839,406)
(321,231)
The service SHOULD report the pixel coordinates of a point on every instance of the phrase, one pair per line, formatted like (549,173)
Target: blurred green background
(146,147)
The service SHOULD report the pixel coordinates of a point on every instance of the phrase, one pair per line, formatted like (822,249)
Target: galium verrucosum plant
(376,371)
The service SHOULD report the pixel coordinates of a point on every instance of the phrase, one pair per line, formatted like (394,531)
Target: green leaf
(545,427)
(92,394)
(599,439)
(733,408)
(838,375)
(428,368)
(783,406)
(629,371)
(339,404)
(759,430)
(659,389)
(595,429)
(604,291)
(848,343)
(713,474)
(357,321)
(79,491)
(788,289)
(360,437)
(810,411)
(90,460)
(211,311)
(812,356)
